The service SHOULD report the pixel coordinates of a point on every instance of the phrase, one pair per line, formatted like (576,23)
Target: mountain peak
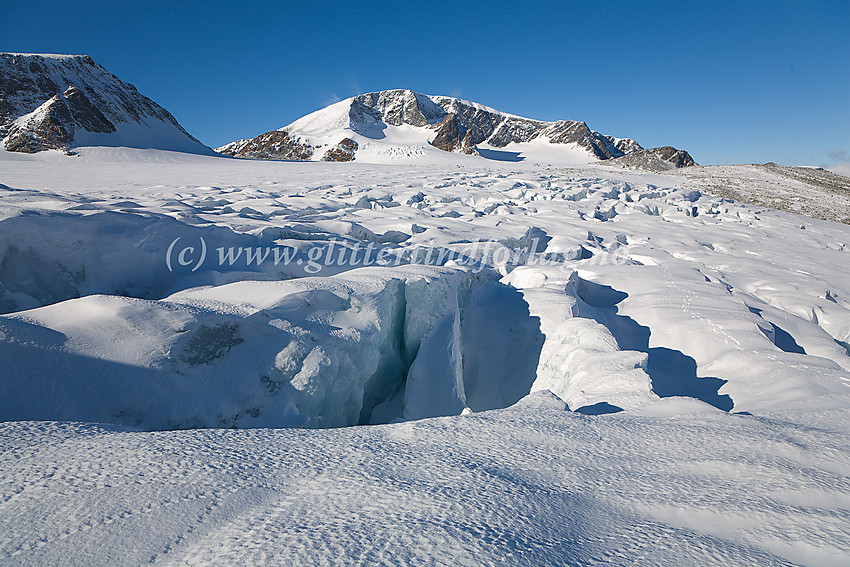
(50,101)
(403,124)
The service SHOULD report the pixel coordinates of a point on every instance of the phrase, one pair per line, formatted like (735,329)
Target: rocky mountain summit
(654,159)
(64,101)
(446,123)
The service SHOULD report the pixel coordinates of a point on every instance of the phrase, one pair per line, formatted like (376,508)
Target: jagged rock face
(32,118)
(486,125)
(53,125)
(343,151)
(625,145)
(655,159)
(363,119)
(466,146)
(397,107)
(85,115)
(479,122)
(452,137)
(679,158)
(448,136)
(565,131)
(50,127)
(511,131)
(277,145)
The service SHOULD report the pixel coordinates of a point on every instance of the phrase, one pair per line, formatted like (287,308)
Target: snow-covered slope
(398,124)
(527,486)
(66,101)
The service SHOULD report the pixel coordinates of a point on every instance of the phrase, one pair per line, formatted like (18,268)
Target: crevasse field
(208,361)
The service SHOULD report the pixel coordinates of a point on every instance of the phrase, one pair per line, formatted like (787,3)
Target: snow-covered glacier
(572,366)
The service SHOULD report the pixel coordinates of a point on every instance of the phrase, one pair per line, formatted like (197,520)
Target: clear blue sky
(731,82)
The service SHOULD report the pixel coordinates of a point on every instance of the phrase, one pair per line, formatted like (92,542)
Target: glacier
(550,365)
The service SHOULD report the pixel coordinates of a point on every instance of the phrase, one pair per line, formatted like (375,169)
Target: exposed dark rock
(366,120)
(679,158)
(625,145)
(397,107)
(275,145)
(655,159)
(514,130)
(452,137)
(85,115)
(97,101)
(483,125)
(51,127)
(571,131)
(467,147)
(447,136)
(343,151)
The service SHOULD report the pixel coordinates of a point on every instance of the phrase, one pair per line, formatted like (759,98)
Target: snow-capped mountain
(393,124)
(66,101)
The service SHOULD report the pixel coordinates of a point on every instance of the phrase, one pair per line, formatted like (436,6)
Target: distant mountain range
(64,101)
(401,124)
(61,102)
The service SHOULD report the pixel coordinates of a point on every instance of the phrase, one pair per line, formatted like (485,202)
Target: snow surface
(571,366)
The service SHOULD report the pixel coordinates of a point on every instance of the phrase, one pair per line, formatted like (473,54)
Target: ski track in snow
(716,332)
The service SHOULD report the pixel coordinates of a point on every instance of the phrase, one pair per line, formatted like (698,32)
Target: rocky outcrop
(85,114)
(569,131)
(452,137)
(679,158)
(56,101)
(50,126)
(343,151)
(397,107)
(277,145)
(54,124)
(625,145)
(655,159)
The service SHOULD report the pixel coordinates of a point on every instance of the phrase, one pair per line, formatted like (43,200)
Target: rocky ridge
(277,144)
(663,158)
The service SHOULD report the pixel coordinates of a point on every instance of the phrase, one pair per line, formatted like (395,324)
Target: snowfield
(207,360)
(529,485)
